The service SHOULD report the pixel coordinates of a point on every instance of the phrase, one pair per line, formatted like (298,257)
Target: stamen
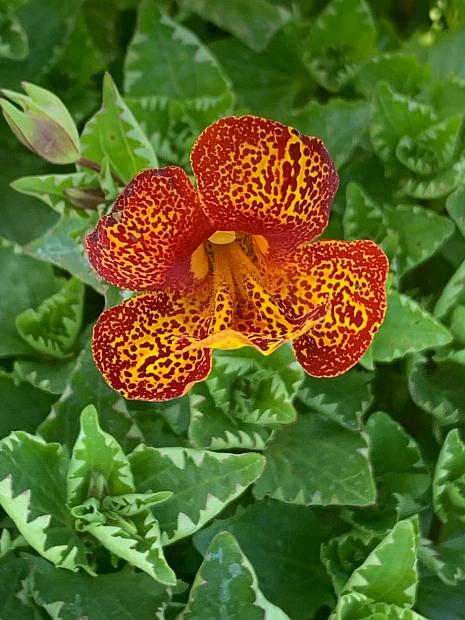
(222,237)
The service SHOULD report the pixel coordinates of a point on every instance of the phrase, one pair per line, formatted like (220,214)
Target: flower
(232,264)
(43,124)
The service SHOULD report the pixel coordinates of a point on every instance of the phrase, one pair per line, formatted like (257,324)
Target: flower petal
(140,345)
(347,276)
(147,240)
(264,178)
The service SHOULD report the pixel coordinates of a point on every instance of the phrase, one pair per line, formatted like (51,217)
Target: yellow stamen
(222,237)
(199,263)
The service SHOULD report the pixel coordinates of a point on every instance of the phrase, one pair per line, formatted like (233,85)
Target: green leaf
(62,245)
(50,377)
(444,55)
(438,601)
(438,185)
(268,83)
(169,61)
(389,573)
(283,544)
(316,461)
(33,282)
(253,23)
(13,39)
(403,73)
(59,190)
(226,585)
(449,480)
(344,399)
(355,606)
(63,422)
(13,571)
(202,483)
(53,327)
(125,595)
(438,388)
(98,465)
(395,116)
(21,406)
(452,295)
(33,494)
(454,206)
(114,132)
(341,125)
(407,328)
(332,51)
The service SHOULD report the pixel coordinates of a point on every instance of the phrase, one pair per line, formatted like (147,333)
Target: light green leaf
(438,388)
(33,282)
(435,186)
(444,55)
(344,399)
(316,461)
(33,494)
(202,483)
(62,245)
(332,52)
(354,606)
(407,328)
(59,191)
(125,595)
(53,327)
(449,480)
(341,125)
(98,465)
(253,23)
(226,586)
(282,541)
(389,573)
(169,61)
(50,377)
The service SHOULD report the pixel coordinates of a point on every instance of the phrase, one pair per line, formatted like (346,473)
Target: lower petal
(349,278)
(140,345)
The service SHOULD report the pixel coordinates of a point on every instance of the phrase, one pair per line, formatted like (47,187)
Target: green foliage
(169,510)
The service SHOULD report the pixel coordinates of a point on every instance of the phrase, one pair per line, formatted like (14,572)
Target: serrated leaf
(283,544)
(403,73)
(447,558)
(354,606)
(226,584)
(50,377)
(62,424)
(455,208)
(52,328)
(33,282)
(438,388)
(13,571)
(435,186)
(389,573)
(341,124)
(332,52)
(202,483)
(316,461)
(33,494)
(452,295)
(407,328)
(22,407)
(62,245)
(167,60)
(449,480)
(96,454)
(344,399)
(114,132)
(253,23)
(125,595)
(56,190)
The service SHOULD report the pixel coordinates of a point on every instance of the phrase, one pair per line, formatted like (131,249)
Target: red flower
(232,264)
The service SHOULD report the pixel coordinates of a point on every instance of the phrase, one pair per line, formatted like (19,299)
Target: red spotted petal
(139,345)
(349,278)
(264,178)
(147,240)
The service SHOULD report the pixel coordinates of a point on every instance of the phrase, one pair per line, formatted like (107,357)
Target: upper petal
(147,240)
(258,176)
(349,278)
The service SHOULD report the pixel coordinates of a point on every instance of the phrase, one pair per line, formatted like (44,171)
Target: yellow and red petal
(349,277)
(264,178)
(140,345)
(147,240)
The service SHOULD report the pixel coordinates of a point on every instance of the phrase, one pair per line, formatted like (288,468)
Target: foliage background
(359,510)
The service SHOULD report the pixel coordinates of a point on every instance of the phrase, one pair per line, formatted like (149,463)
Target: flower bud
(42,123)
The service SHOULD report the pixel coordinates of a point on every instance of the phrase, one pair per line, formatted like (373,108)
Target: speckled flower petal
(258,176)
(347,276)
(147,240)
(139,345)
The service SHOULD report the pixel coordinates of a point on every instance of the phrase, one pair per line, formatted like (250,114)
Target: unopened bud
(84,198)
(42,123)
